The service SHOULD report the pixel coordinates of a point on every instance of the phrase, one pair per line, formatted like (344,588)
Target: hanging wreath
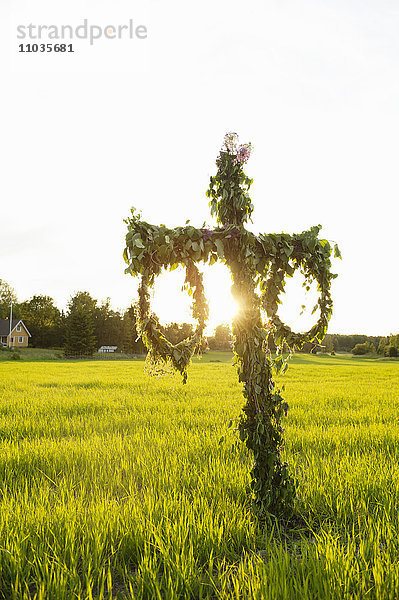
(274,286)
(162,353)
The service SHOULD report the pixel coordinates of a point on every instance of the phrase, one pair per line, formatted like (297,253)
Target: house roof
(5,326)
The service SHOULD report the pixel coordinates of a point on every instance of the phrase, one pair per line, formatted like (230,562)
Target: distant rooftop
(5,325)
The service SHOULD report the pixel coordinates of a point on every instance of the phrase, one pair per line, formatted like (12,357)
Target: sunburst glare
(171,304)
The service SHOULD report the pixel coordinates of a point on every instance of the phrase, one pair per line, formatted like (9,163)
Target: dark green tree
(391,351)
(222,339)
(381,346)
(394,340)
(108,325)
(43,320)
(80,339)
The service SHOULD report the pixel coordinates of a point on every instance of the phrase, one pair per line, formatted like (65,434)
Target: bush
(391,351)
(365,348)
(360,349)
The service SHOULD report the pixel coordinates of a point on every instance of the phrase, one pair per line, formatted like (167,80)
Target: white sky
(314,85)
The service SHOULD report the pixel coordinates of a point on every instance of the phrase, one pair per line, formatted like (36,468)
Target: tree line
(357,344)
(85,326)
(88,324)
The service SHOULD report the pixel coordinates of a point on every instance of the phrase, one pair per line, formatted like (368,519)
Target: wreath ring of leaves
(283,332)
(161,350)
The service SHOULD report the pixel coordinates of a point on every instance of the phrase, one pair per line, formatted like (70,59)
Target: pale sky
(313,85)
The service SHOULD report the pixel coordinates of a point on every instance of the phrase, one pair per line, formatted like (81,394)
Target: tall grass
(113,485)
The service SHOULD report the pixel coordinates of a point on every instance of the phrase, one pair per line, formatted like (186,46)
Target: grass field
(114,485)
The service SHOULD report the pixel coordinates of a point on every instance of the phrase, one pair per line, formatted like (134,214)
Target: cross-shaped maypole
(259,266)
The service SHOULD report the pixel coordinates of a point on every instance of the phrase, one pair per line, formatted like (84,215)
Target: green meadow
(116,485)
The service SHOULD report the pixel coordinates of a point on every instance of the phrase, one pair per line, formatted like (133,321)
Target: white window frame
(19,328)
(20,339)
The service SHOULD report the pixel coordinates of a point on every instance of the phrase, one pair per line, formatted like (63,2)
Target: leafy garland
(259,266)
(160,349)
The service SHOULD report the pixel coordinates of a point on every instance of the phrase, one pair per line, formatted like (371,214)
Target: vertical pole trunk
(260,423)
(9,335)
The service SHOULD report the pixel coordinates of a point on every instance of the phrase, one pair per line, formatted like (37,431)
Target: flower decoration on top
(244,152)
(231,142)
(240,153)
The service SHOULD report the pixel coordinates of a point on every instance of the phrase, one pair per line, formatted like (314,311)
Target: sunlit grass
(115,485)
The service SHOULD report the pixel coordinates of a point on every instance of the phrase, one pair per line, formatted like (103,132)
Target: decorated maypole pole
(258,265)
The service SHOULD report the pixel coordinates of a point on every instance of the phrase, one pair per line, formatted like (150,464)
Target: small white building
(108,349)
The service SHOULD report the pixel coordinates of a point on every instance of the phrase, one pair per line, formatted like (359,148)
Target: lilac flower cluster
(241,153)
(234,231)
(206,233)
